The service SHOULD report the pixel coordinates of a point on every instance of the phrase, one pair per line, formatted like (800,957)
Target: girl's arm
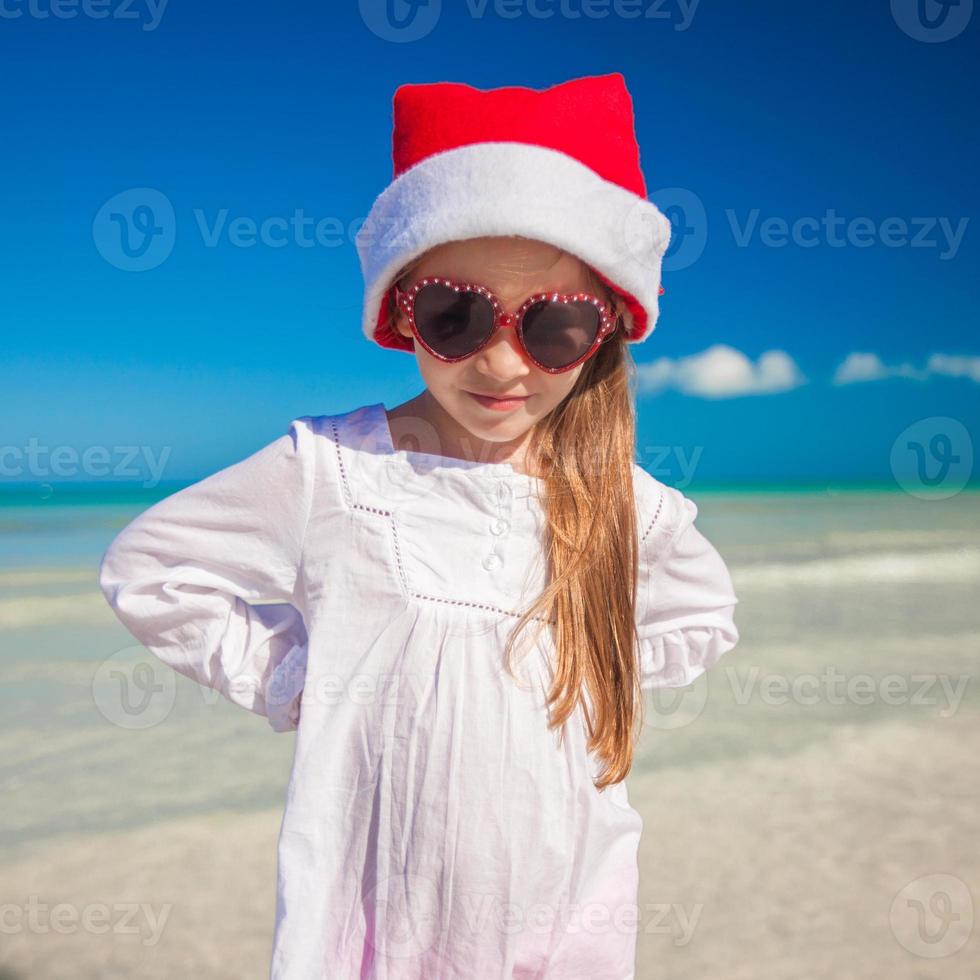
(686,600)
(182,575)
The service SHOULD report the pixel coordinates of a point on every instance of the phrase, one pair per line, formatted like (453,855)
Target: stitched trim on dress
(656,517)
(478,605)
(349,497)
(340,462)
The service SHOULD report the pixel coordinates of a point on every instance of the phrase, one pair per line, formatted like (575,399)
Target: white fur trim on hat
(509,188)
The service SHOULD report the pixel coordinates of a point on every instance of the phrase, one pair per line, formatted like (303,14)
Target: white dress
(434,828)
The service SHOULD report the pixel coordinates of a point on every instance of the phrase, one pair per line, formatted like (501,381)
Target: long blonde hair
(585,448)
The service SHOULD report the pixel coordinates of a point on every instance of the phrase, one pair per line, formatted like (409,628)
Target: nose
(503,358)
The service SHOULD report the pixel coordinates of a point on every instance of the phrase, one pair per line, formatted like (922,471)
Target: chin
(509,426)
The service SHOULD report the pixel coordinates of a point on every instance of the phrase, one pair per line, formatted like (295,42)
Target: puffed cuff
(688,603)
(679,657)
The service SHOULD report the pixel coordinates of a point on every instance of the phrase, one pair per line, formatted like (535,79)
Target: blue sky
(760,125)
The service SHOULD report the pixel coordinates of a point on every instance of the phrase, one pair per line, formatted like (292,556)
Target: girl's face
(513,269)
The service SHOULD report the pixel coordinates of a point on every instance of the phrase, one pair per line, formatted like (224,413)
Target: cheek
(557,386)
(436,374)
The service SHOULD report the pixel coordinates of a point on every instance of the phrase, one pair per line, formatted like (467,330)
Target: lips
(499,402)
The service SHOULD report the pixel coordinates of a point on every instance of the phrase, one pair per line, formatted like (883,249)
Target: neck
(422,425)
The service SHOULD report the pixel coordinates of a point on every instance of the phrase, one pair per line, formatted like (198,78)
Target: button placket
(500,525)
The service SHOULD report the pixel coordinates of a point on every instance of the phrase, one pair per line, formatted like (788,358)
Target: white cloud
(862,366)
(955,366)
(721,372)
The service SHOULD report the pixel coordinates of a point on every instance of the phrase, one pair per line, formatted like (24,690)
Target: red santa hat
(560,165)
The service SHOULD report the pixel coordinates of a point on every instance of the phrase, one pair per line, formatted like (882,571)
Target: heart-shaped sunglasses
(453,320)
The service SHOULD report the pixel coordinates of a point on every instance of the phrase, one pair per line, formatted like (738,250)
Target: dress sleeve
(685,597)
(182,577)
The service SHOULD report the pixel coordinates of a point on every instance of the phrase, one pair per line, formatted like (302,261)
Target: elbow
(107,583)
(119,572)
(109,577)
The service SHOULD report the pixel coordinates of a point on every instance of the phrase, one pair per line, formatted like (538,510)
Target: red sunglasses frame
(405,299)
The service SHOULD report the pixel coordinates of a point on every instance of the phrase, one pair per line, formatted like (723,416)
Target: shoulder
(346,452)
(663,511)
(357,430)
(354,428)
(324,425)
(678,565)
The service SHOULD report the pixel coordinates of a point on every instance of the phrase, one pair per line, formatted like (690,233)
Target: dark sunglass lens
(558,334)
(452,323)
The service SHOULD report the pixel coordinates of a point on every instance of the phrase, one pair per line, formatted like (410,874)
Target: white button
(491,562)
(499,526)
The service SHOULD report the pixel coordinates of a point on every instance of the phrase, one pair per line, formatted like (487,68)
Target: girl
(456,811)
